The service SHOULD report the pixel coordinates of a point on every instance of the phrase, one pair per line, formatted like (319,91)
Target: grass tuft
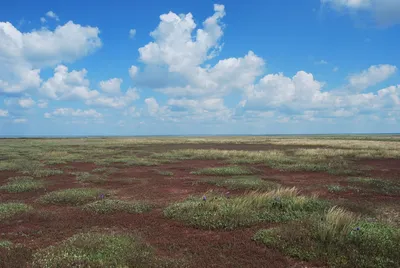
(107,206)
(22,184)
(86,177)
(9,210)
(40,173)
(336,224)
(247,183)
(100,250)
(165,172)
(376,185)
(224,171)
(5,244)
(339,239)
(218,211)
(336,188)
(78,196)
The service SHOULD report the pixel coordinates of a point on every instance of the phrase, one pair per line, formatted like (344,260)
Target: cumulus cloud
(321,62)
(115,102)
(182,54)
(112,86)
(20,121)
(66,85)
(23,54)
(69,112)
(26,102)
(132,33)
(42,104)
(51,14)
(372,76)
(197,105)
(385,12)
(152,106)
(277,90)
(3,113)
(133,70)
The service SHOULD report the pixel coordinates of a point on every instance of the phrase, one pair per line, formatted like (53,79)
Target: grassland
(200,202)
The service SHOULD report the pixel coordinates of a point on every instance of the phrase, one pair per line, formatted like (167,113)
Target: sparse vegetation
(22,184)
(361,231)
(78,196)
(339,239)
(336,188)
(86,177)
(9,210)
(216,211)
(100,250)
(243,182)
(106,206)
(165,172)
(224,171)
(39,173)
(376,185)
(5,244)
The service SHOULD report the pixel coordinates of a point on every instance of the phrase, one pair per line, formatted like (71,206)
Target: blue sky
(176,68)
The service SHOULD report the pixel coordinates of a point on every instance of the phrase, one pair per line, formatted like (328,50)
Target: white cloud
(112,86)
(115,102)
(26,102)
(66,85)
(335,69)
(3,113)
(20,121)
(344,113)
(152,106)
(198,105)
(176,65)
(51,14)
(42,104)
(354,4)
(385,12)
(22,54)
(321,62)
(66,43)
(174,44)
(133,71)
(372,76)
(42,20)
(277,90)
(132,111)
(132,33)
(69,112)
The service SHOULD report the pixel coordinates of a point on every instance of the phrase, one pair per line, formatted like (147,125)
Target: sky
(177,67)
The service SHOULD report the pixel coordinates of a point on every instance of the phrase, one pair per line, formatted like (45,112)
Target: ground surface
(164,183)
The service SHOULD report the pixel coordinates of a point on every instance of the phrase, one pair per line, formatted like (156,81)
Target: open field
(321,201)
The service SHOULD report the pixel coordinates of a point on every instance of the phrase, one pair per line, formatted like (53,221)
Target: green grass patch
(86,177)
(5,244)
(77,196)
(282,204)
(376,185)
(336,188)
(9,210)
(107,206)
(22,184)
(100,250)
(339,239)
(165,172)
(243,182)
(224,171)
(40,173)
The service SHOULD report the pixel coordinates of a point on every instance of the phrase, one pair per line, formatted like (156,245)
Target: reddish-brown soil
(48,225)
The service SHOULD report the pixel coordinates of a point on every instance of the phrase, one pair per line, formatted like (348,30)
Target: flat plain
(305,201)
